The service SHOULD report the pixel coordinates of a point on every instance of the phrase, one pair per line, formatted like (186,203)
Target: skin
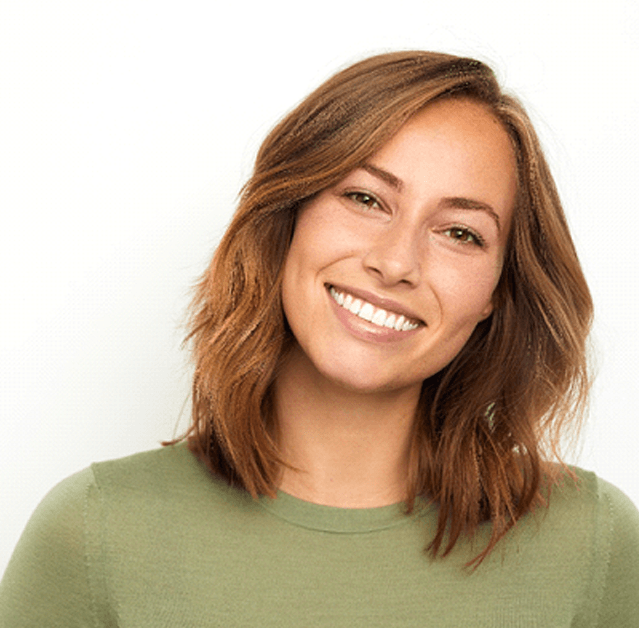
(397,233)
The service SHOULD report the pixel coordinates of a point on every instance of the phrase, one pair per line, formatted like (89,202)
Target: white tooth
(379,318)
(399,322)
(367,312)
(338,296)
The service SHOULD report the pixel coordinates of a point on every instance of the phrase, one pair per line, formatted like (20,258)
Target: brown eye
(365,199)
(463,235)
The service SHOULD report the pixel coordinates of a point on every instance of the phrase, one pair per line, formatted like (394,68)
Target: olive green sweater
(154,540)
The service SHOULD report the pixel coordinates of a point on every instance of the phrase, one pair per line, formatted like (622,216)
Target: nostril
(393,266)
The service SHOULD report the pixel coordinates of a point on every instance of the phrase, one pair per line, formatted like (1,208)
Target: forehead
(460,125)
(454,147)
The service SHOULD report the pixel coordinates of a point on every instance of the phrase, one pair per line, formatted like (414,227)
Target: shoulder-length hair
(488,424)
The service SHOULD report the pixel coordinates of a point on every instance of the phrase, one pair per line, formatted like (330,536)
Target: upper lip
(383,302)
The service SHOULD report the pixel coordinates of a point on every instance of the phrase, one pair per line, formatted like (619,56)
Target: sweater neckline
(339,520)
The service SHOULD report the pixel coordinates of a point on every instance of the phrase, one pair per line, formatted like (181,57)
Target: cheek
(292,288)
(300,272)
(467,293)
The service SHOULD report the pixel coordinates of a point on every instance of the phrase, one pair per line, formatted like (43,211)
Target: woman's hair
(489,424)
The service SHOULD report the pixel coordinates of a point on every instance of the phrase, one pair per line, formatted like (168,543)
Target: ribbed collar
(339,520)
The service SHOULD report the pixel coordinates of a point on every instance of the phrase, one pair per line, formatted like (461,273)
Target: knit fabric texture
(154,540)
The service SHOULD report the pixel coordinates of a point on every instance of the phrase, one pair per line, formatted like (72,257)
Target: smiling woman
(389,342)
(421,255)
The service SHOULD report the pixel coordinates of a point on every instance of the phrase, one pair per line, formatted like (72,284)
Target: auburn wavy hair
(488,425)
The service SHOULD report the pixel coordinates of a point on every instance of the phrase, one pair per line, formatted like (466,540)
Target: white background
(126,130)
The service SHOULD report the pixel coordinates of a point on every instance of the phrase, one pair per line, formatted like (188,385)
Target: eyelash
(476,239)
(370,197)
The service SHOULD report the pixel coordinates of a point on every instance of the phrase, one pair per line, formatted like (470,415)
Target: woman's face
(390,270)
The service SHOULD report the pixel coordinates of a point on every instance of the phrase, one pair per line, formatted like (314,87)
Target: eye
(464,235)
(365,199)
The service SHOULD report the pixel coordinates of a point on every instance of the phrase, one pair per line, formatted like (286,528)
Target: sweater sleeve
(620,601)
(48,581)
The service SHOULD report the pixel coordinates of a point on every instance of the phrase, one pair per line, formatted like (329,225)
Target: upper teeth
(369,312)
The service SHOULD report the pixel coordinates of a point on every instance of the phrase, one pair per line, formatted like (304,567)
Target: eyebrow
(450,202)
(384,175)
(460,202)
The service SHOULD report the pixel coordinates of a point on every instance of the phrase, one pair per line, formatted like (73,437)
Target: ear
(487,311)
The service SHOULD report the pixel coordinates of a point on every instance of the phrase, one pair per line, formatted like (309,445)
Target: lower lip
(366,330)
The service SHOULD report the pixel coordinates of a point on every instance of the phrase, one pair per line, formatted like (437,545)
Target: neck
(345,448)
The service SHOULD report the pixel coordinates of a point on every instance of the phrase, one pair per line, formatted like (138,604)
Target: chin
(369,383)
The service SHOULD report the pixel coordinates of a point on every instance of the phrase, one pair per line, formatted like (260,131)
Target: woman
(389,343)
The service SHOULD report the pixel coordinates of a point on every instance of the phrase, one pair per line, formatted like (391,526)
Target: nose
(394,256)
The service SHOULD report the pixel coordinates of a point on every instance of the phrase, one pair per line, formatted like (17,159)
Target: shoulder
(146,477)
(586,505)
(618,543)
(588,493)
(164,490)
(622,511)
(158,472)
(166,479)
(583,548)
(104,529)
(157,488)
(158,469)
(45,582)
(601,522)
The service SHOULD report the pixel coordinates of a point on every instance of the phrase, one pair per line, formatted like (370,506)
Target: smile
(375,315)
